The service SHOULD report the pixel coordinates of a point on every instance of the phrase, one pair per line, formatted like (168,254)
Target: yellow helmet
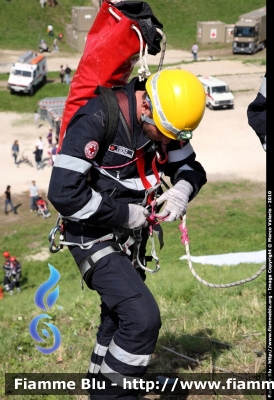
(178,102)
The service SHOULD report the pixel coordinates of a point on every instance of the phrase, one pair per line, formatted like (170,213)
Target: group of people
(39,148)
(51,3)
(12,273)
(43,46)
(65,74)
(37,203)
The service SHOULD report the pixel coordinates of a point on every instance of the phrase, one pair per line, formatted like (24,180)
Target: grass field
(23,22)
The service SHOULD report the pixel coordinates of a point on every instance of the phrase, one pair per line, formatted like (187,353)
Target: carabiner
(58,228)
(52,247)
(138,238)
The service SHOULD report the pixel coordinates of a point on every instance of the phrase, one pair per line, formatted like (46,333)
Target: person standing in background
(16,274)
(7,282)
(256,114)
(55,45)
(15,151)
(36,118)
(12,274)
(60,36)
(49,137)
(37,157)
(50,30)
(8,201)
(40,145)
(194,51)
(67,74)
(57,131)
(62,73)
(34,194)
(53,153)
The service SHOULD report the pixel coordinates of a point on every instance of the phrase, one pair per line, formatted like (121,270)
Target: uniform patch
(91,149)
(121,150)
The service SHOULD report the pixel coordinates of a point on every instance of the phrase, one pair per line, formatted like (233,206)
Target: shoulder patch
(91,149)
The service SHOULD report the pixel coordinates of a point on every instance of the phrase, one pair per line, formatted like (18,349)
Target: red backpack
(118,38)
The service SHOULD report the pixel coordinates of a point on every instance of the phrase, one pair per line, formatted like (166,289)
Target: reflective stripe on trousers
(130,323)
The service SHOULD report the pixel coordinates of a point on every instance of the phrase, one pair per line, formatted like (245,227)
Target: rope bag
(121,35)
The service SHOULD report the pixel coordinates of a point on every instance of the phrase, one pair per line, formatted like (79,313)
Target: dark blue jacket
(256,113)
(81,190)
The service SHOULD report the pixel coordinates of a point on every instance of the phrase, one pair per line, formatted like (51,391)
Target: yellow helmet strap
(144,118)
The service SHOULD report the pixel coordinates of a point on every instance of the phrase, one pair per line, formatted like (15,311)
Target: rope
(185,241)
(163,48)
(144,70)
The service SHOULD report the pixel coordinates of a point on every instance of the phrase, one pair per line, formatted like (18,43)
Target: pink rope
(152,219)
(121,166)
(184,236)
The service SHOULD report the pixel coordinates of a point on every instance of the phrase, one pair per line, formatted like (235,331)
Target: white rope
(215,285)
(143,71)
(163,49)
(114,13)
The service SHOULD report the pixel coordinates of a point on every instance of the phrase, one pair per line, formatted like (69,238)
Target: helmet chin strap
(144,118)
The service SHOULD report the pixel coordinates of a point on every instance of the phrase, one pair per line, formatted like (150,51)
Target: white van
(27,73)
(218,94)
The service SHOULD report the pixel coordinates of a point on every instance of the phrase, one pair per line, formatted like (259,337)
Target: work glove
(136,217)
(176,201)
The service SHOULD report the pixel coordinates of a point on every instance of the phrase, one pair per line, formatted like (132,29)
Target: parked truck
(250,32)
(28,73)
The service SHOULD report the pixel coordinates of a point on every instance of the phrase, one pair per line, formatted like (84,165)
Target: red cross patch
(91,149)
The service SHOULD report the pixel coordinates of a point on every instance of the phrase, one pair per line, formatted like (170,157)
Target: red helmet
(6,254)
(12,258)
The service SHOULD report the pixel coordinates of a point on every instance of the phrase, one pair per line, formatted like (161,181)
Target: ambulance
(28,73)
(218,94)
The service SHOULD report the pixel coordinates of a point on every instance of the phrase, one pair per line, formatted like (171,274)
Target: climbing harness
(136,240)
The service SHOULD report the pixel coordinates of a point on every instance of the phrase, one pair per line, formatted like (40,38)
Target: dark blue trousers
(129,327)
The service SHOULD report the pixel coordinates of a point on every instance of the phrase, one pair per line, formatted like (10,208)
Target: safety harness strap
(140,162)
(112,115)
(90,262)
